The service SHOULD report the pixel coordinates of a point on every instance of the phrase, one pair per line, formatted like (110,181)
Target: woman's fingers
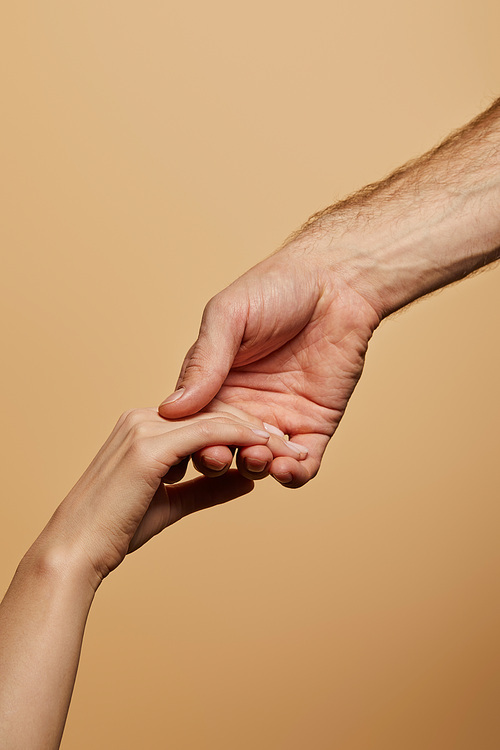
(214,457)
(170,504)
(215,460)
(170,447)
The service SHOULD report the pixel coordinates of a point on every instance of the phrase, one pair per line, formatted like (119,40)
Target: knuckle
(124,417)
(139,430)
(133,417)
(197,363)
(130,417)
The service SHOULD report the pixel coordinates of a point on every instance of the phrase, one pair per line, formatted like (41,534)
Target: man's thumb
(209,360)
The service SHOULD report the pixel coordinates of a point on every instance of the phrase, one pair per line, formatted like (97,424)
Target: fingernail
(273,430)
(284,478)
(297,448)
(255,466)
(261,433)
(214,464)
(175,396)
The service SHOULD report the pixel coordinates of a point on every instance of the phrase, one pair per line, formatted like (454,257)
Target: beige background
(150,153)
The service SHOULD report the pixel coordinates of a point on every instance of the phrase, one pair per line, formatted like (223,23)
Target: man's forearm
(430,223)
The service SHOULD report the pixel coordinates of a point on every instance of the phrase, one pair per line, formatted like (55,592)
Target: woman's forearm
(42,620)
(430,223)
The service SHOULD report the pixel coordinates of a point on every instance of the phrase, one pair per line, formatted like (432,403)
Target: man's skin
(286,342)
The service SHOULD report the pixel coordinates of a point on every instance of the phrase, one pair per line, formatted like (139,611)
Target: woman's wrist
(53,559)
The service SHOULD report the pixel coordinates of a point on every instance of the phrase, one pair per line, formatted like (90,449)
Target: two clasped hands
(278,356)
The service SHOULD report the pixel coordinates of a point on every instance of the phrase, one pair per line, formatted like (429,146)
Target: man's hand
(286,343)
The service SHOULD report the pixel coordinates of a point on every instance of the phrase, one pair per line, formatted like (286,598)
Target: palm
(302,344)
(304,386)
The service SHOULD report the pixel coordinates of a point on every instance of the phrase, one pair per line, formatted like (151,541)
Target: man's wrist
(394,248)
(430,223)
(343,244)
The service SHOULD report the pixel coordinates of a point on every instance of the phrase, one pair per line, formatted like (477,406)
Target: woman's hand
(120,502)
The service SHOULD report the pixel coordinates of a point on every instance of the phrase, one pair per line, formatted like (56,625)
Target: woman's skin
(118,504)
